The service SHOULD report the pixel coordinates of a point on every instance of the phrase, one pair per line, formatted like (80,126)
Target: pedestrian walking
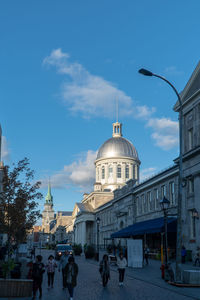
(62,265)
(197,257)
(146,254)
(51,265)
(37,276)
(104,269)
(33,253)
(121,263)
(71,273)
(183,254)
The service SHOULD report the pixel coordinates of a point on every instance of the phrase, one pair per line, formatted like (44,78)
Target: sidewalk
(152,274)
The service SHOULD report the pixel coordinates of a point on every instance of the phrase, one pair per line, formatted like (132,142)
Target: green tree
(18,205)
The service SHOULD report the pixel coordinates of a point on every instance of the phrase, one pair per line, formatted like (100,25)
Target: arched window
(119,171)
(127,172)
(110,171)
(103,173)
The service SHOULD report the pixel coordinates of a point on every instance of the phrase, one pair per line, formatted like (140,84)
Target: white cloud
(172,70)
(144,112)
(79,174)
(165,132)
(5,153)
(91,95)
(146,173)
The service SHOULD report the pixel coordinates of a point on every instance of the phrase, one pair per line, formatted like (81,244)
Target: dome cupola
(117,162)
(117,146)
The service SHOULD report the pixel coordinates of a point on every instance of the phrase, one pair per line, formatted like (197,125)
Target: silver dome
(117,147)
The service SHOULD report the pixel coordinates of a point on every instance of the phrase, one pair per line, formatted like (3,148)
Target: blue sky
(63,65)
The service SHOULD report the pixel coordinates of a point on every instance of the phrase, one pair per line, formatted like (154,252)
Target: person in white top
(121,263)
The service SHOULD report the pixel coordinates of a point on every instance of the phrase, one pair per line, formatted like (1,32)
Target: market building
(124,201)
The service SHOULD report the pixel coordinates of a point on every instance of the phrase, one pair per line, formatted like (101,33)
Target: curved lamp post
(98,222)
(179,204)
(164,204)
(74,234)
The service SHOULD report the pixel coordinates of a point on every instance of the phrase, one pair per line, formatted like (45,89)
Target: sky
(64,65)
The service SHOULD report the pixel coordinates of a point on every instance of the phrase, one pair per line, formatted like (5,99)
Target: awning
(149,226)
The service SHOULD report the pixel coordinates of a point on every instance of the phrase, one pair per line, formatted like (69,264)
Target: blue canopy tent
(146,227)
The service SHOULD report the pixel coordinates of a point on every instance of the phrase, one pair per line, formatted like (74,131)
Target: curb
(184,284)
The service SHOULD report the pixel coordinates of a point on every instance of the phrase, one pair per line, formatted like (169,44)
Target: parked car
(61,248)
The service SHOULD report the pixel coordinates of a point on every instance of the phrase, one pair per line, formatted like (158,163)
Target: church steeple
(49,197)
(117,129)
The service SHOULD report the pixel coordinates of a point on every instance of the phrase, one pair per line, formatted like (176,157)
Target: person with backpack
(71,273)
(37,276)
(51,265)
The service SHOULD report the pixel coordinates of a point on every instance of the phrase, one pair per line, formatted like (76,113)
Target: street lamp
(74,234)
(164,204)
(179,204)
(98,222)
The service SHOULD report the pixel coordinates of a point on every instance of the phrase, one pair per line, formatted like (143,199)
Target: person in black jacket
(104,269)
(71,273)
(37,276)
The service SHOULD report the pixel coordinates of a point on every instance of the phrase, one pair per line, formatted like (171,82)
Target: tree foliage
(18,205)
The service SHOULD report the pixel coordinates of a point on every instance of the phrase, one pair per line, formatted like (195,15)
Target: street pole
(180,190)
(166,243)
(74,234)
(97,255)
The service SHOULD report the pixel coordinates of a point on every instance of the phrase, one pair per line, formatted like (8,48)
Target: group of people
(69,273)
(104,269)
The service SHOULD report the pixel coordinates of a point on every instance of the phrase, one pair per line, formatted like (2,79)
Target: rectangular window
(139,204)
(191,185)
(119,172)
(150,201)
(163,191)
(127,172)
(145,204)
(103,173)
(190,138)
(110,171)
(142,203)
(171,193)
(156,198)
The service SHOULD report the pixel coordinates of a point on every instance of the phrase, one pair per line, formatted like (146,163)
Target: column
(83,233)
(115,173)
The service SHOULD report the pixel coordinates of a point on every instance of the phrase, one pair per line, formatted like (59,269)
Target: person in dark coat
(37,276)
(104,269)
(71,273)
(183,254)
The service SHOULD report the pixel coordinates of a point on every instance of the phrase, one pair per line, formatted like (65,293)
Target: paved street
(90,288)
